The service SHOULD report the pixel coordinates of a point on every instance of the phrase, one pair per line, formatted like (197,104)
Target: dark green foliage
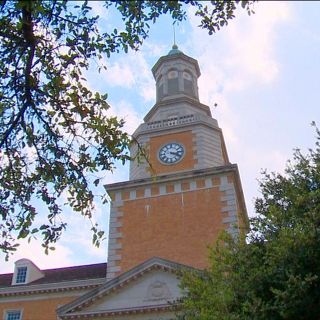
(276,275)
(55,136)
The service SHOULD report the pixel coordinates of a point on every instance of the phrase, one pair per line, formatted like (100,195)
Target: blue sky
(263,72)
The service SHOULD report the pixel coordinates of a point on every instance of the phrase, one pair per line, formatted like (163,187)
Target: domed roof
(174,50)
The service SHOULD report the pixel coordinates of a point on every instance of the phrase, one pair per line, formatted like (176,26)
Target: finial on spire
(174,37)
(175,48)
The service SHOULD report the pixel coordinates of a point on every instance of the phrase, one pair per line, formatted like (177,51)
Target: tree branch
(27,27)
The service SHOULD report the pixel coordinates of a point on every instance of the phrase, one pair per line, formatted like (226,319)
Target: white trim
(21,273)
(47,287)
(39,296)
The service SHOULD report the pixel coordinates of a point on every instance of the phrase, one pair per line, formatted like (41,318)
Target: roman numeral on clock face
(171,153)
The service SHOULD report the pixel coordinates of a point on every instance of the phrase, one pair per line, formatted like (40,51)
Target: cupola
(176,74)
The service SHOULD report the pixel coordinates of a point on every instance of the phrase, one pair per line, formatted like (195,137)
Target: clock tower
(175,203)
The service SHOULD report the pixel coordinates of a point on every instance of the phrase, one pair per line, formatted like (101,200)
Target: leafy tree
(277,274)
(55,136)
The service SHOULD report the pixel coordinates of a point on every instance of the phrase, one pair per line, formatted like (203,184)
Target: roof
(174,50)
(83,272)
(82,306)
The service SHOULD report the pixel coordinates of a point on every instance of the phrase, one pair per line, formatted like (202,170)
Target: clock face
(171,153)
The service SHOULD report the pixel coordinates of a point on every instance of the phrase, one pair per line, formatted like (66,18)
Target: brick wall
(38,308)
(175,220)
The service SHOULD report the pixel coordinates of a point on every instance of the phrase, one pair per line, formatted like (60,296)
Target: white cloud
(80,235)
(153,49)
(99,9)
(33,251)
(253,160)
(252,43)
(240,57)
(120,74)
(73,248)
(132,72)
(243,54)
(125,110)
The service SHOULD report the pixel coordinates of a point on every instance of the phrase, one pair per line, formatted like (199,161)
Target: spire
(174,49)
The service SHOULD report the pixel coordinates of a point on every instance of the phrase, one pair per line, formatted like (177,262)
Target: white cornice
(50,287)
(155,128)
(174,101)
(171,177)
(120,312)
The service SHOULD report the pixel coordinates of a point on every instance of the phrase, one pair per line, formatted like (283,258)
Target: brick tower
(176,207)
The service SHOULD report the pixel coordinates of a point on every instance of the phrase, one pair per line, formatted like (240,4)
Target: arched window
(187,75)
(173,83)
(172,74)
(160,90)
(188,83)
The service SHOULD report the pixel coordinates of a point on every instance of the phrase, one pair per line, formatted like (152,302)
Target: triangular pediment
(150,288)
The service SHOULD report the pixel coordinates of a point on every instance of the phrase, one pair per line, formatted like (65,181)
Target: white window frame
(12,311)
(17,275)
